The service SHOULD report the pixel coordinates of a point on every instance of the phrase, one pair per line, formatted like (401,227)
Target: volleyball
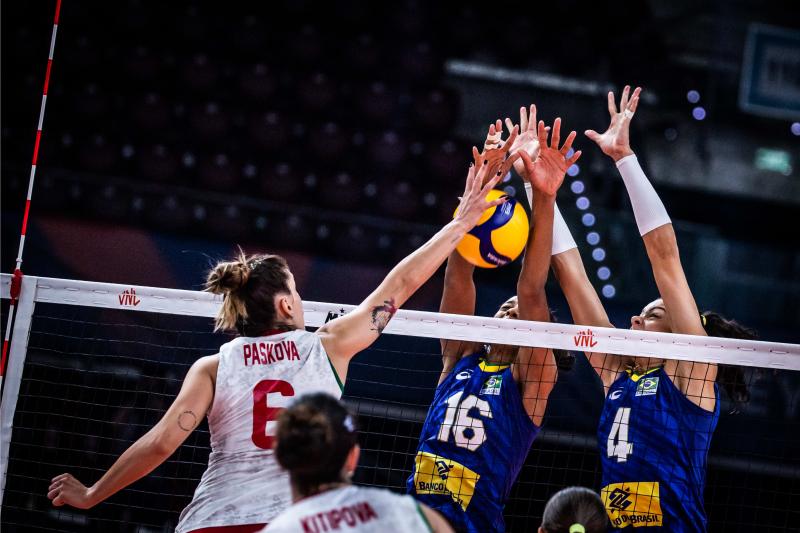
(500,235)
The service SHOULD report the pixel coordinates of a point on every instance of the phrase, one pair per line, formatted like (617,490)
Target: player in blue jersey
(490,401)
(659,415)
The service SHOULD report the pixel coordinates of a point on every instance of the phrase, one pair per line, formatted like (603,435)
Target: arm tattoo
(187,421)
(382,314)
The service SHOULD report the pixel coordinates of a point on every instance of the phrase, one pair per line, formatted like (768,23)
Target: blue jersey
(653,448)
(473,444)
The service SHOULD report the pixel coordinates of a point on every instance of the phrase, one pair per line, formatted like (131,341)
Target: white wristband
(648,209)
(562,238)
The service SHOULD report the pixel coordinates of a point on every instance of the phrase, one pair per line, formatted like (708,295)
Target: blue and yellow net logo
(636,504)
(434,474)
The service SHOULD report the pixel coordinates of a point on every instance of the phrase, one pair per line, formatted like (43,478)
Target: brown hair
(731,378)
(574,505)
(248,285)
(314,436)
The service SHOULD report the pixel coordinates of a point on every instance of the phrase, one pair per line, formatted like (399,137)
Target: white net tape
(738,352)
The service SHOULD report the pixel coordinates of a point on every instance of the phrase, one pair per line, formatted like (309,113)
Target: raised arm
(357,330)
(696,380)
(566,261)
(153,448)
(535,368)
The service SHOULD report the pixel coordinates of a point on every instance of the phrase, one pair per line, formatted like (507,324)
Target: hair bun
(228,277)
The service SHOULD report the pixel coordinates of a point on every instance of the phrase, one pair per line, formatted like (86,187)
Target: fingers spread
(541,133)
(575,157)
(612,107)
(523,119)
(568,143)
(509,124)
(555,135)
(634,103)
(511,139)
(532,116)
(623,102)
(593,135)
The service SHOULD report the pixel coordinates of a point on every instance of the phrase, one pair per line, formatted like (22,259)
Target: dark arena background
(338,134)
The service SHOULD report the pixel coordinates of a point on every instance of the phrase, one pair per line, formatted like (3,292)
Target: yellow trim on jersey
(434,474)
(486,367)
(635,503)
(636,377)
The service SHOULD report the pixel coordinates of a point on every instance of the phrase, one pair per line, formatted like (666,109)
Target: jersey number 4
(458,413)
(263,413)
(618,445)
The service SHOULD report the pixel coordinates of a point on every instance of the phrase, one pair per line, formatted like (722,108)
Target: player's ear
(351,463)
(285,305)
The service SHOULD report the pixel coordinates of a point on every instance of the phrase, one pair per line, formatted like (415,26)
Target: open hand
(546,172)
(66,490)
(528,139)
(615,141)
(473,202)
(494,150)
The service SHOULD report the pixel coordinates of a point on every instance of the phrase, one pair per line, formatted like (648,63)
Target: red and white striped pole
(16,281)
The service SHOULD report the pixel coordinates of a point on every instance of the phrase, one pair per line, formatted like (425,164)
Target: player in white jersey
(243,388)
(318,444)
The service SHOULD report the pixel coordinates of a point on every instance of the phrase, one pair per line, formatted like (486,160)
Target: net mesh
(95,380)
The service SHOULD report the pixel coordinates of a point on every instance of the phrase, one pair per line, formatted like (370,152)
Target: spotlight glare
(588,220)
(693,96)
(609,291)
(577,187)
(598,254)
(699,113)
(603,273)
(582,203)
(795,128)
(593,238)
(574,170)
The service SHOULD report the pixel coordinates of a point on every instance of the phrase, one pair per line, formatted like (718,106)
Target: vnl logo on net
(585,338)
(128,297)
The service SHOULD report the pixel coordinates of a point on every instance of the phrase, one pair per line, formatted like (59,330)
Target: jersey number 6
(458,413)
(263,413)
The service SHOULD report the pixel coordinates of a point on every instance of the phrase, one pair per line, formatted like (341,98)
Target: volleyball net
(93,366)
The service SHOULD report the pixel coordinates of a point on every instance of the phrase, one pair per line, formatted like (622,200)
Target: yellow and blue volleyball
(500,235)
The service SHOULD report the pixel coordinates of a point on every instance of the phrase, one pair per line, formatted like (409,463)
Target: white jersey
(352,508)
(256,378)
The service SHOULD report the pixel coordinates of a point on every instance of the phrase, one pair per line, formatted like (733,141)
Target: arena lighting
(574,170)
(577,187)
(795,128)
(582,203)
(603,273)
(588,219)
(598,254)
(693,96)
(593,238)
(699,113)
(609,291)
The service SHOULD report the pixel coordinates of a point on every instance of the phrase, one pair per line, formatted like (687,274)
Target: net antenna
(16,283)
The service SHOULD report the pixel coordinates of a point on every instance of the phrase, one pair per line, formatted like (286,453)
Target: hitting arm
(153,448)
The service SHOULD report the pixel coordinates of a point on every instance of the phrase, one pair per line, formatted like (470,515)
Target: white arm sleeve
(648,209)
(562,238)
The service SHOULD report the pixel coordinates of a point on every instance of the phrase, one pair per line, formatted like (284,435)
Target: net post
(13,377)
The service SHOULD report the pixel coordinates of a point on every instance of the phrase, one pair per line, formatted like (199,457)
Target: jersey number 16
(458,413)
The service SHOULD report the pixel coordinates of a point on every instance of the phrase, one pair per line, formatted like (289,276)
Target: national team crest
(648,386)
(492,385)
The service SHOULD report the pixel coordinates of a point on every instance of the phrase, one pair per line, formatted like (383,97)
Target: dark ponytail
(731,378)
(575,506)
(314,436)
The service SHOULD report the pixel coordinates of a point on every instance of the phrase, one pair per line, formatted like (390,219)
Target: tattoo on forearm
(187,421)
(382,314)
